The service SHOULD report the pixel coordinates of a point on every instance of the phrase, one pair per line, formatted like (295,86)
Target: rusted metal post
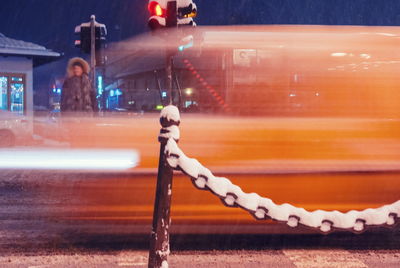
(159,241)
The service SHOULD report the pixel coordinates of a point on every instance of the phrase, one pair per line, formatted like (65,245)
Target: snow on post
(159,243)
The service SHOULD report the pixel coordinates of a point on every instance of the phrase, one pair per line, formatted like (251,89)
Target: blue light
(118,92)
(59,90)
(112,93)
(186,46)
(100,85)
(164,94)
(54,90)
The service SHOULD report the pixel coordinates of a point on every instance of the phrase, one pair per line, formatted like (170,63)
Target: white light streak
(68,159)
(338,54)
(387,34)
(365,56)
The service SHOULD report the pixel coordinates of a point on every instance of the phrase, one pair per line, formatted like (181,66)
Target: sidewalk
(220,259)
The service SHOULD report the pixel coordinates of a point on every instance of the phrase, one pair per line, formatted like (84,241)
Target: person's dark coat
(78,94)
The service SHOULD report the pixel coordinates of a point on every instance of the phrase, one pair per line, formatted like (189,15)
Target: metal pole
(159,86)
(168,70)
(178,88)
(93,50)
(171,22)
(159,242)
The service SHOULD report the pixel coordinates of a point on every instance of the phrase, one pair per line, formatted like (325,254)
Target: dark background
(51,22)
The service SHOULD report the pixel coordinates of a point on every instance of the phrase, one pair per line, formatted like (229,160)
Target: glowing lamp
(155,9)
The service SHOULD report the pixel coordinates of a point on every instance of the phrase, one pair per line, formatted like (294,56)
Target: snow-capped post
(159,243)
(163,14)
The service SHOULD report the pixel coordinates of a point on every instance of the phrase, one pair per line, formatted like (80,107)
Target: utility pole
(91,39)
(93,50)
(171,22)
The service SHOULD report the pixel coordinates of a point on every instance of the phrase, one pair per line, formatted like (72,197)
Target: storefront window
(12,92)
(17,98)
(3,92)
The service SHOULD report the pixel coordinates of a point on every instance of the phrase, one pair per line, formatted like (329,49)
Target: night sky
(51,22)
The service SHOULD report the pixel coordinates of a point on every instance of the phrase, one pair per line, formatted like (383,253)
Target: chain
(264,208)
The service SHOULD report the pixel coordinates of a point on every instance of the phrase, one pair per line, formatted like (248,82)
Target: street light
(189,91)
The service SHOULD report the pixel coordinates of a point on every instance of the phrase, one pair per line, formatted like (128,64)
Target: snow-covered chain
(264,208)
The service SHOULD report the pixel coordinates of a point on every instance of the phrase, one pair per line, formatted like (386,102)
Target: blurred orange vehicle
(309,116)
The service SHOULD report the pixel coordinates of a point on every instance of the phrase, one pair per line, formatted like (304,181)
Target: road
(72,219)
(315,163)
(102,220)
(123,203)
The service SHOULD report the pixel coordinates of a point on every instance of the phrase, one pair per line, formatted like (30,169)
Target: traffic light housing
(187,11)
(158,14)
(167,14)
(155,9)
(83,33)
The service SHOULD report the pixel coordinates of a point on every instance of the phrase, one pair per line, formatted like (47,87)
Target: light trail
(68,159)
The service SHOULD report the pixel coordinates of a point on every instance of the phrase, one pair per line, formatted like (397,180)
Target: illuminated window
(12,92)
(17,98)
(16,79)
(3,93)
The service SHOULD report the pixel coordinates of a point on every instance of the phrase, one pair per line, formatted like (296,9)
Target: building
(275,70)
(136,78)
(17,60)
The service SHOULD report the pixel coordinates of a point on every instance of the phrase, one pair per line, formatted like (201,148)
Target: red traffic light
(155,9)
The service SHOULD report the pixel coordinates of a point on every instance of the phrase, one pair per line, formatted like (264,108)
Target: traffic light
(167,13)
(187,10)
(83,33)
(155,9)
(158,14)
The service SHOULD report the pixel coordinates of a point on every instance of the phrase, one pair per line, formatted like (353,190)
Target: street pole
(170,82)
(178,88)
(159,242)
(93,50)
(171,23)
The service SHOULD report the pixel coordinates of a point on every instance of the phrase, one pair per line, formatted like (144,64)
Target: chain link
(264,208)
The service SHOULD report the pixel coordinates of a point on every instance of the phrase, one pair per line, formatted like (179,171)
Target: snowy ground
(265,258)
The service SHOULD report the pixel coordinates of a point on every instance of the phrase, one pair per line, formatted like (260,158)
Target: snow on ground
(237,259)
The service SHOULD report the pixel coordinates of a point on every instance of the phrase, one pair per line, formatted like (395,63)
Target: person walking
(78,94)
